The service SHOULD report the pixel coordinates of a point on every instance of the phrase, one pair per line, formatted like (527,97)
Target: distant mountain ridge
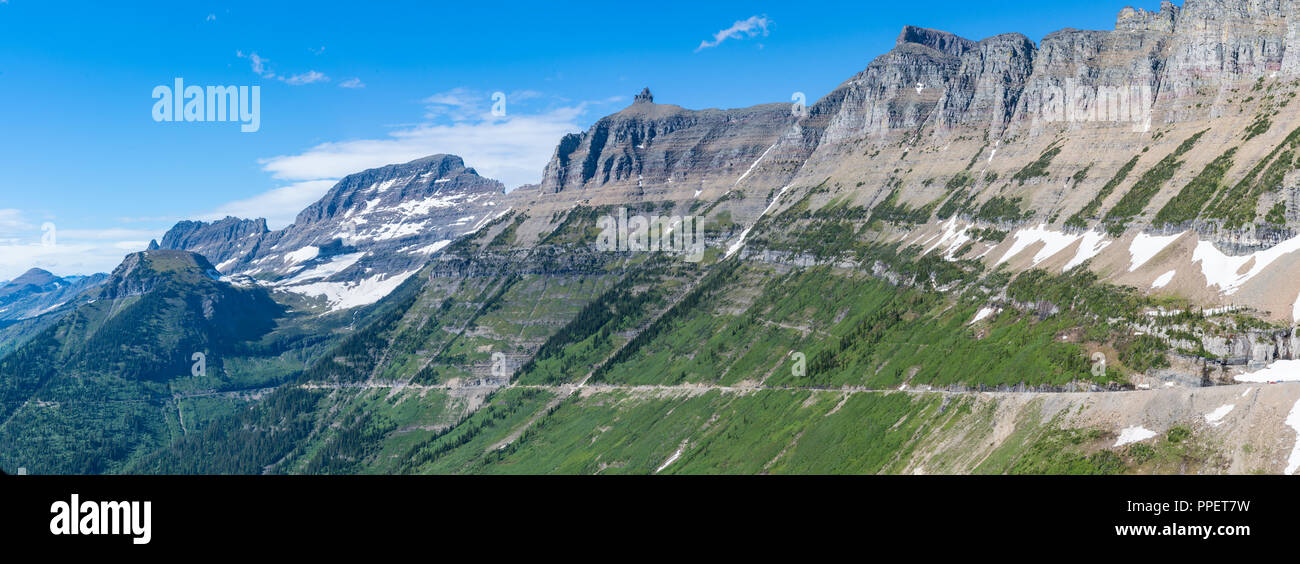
(38,291)
(361,239)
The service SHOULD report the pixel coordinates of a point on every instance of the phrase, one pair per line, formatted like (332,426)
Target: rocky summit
(369,233)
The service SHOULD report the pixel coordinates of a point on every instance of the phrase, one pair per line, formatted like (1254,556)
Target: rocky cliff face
(219,241)
(654,152)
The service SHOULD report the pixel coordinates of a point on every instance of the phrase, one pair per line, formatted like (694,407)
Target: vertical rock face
(1137,19)
(939,80)
(1217,41)
(900,89)
(660,151)
(988,84)
(220,240)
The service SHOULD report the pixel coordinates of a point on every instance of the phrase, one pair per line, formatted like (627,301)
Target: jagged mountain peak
(368,233)
(390,184)
(941,41)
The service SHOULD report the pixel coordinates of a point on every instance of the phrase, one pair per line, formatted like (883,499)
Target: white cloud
(352,83)
(280,206)
(63,259)
(459,104)
(261,67)
(513,148)
(12,223)
(751,27)
(306,78)
(72,251)
(111,234)
(211,18)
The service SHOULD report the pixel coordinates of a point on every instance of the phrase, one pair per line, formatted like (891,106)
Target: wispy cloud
(280,206)
(752,27)
(352,83)
(306,78)
(261,67)
(71,251)
(211,18)
(11,220)
(457,104)
(513,148)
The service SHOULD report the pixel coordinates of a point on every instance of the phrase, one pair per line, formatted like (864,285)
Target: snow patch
(983,313)
(1222,270)
(670,460)
(952,239)
(423,207)
(1144,247)
(1053,241)
(385,185)
(1280,371)
(740,243)
(299,256)
(1134,434)
(1163,280)
(1215,417)
(429,250)
(347,295)
(1093,243)
(756,161)
(335,266)
(1293,421)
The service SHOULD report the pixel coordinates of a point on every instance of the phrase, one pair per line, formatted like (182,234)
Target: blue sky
(347,86)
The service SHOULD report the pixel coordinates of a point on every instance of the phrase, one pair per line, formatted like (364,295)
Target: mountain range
(994,256)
